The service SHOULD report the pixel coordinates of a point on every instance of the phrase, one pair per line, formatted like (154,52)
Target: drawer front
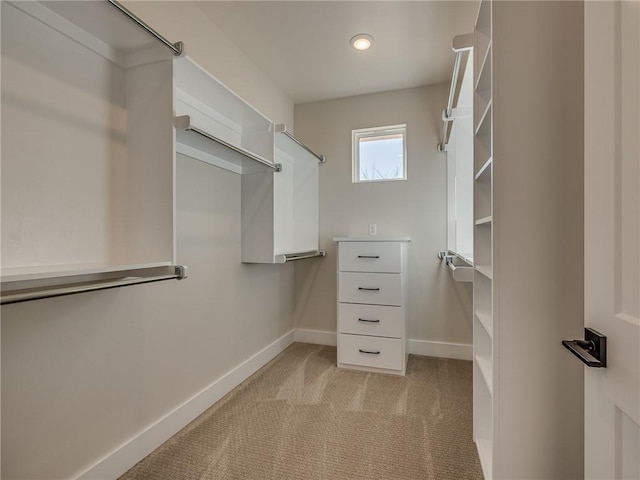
(375,320)
(382,352)
(383,257)
(371,288)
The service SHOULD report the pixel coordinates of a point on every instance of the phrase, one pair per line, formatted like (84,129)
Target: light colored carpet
(300,417)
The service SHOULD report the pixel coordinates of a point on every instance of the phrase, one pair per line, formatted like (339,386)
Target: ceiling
(303,46)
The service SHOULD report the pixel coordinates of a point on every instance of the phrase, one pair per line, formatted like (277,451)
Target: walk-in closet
(319,240)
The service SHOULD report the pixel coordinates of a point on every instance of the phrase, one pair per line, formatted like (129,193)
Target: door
(612,236)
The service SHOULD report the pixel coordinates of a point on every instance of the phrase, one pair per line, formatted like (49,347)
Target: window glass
(379,154)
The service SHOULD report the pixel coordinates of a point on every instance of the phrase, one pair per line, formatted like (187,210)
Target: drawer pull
(369,321)
(368,256)
(369,289)
(370,352)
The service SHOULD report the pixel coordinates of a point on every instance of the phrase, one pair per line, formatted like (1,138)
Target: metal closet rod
(282,128)
(177,47)
(452,91)
(288,257)
(183,122)
(180,272)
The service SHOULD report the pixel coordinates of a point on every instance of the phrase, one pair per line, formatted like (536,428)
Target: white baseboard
(426,348)
(459,351)
(317,337)
(132,451)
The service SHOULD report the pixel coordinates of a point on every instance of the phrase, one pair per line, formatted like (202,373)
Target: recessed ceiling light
(362,41)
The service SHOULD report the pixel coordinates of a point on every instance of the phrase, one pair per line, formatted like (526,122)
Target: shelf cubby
(95,192)
(483,80)
(224,116)
(485,319)
(485,171)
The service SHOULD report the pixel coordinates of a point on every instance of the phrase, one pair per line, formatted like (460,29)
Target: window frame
(385,131)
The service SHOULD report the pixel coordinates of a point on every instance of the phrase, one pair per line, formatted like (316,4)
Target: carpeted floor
(301,418)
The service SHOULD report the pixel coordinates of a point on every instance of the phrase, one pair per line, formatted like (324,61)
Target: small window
(379,154)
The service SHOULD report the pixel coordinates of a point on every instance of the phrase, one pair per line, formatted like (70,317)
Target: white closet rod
(282,128)
(177,47)
(177,272)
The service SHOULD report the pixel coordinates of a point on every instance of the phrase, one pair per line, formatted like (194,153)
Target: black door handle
(592,350)
(369,289)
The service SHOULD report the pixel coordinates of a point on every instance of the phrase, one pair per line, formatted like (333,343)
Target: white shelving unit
(483,347)
(280,192)
(111,103)
(88,153)
(94,197)
(527,203)
(216,126)
(280,212)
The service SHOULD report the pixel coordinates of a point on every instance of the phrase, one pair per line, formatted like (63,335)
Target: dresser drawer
(372,288)
(378,352)
(375,320)
(382,257)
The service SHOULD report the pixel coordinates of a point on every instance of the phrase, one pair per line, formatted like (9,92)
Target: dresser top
(371,238)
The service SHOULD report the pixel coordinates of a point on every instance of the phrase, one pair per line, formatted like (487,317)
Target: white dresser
(372,301)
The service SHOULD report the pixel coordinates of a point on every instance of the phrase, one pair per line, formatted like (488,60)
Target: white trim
(133,450)
(316,337)
(459,351)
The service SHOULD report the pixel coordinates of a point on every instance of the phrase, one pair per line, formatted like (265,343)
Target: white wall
(83,374)
(439,308)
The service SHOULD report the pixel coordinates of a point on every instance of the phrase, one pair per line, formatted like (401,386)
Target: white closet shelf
(485,121)
(483,82)
(484,365)
(107,28)
(485,171)
(484,220)
(197,143)
(46,272)
(485,319)
(485,270)
(483,20)
(485,452)
(30,287)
